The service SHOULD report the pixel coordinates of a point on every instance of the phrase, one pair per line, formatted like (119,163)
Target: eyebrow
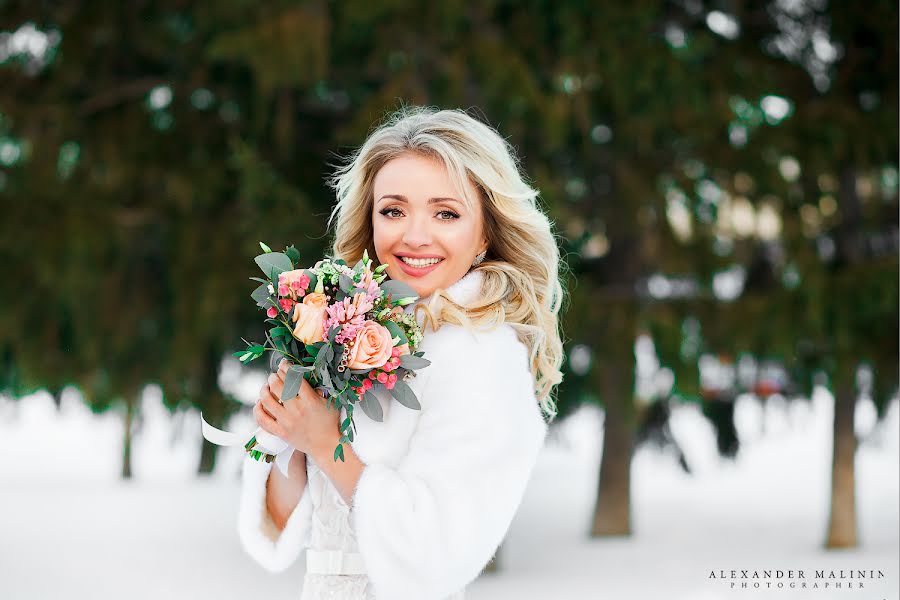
(403,198)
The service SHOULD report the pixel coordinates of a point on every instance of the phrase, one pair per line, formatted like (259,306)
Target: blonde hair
(522,268)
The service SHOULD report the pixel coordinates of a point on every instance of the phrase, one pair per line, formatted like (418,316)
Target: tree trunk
(842,522)
(612,512)
(126,446)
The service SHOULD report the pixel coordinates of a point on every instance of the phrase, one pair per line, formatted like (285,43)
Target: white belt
(334,562)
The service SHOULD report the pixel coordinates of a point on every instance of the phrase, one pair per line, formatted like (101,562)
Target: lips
(417,271)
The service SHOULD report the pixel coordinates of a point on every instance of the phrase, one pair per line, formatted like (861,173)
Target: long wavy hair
(522,266)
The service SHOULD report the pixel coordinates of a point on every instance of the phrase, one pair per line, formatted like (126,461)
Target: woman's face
(418,214)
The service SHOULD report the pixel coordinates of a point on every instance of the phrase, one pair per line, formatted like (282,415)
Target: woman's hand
(305,421)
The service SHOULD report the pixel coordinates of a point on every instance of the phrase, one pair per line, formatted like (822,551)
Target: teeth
(420,262)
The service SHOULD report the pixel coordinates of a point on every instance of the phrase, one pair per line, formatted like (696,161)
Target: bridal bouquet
(343,329)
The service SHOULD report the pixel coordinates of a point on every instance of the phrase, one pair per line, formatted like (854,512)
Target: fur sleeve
(275,551)
(428,527)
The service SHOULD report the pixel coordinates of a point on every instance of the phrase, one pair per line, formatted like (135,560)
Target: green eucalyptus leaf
(404,395)
(264,247)
(396,331)
(408,361)
(293,254)
(345,283)
(292,381)
(280,332)
(273,264)
(261,295)
(371,406)
(397,289)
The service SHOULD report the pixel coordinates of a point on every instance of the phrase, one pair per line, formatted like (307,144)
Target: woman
(424,497)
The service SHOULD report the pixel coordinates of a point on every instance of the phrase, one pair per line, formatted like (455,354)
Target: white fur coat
(441,485)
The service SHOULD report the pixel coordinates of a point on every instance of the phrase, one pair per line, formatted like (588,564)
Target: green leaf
(259,279)
(313,349)
(247,355)
(327,353)
(313,279)
(397,289)
(282,331)
(261,295)
(371,406)
(396,331)
(293,254)
(239,353)
(257,349)
(408,361)
(273,264)
(404,395)
(345,424)
(292,381)
(264,247)
(325,377)
(345,283)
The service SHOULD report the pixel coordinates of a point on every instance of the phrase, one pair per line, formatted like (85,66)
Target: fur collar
(464,291)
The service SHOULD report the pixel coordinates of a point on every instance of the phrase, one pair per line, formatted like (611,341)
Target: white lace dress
(331,531)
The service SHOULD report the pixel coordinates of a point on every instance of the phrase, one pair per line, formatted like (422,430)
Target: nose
(417,232)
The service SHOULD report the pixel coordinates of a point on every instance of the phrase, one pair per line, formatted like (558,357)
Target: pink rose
(371,348)
(309,317)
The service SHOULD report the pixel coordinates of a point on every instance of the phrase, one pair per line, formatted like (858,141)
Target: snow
(70,529)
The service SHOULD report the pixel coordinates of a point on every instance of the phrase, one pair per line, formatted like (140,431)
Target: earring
(479,258)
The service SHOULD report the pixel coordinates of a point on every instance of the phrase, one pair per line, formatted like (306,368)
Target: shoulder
(483,371)
(478,350)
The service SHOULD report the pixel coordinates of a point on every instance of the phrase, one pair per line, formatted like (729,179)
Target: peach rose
(402,349)
(371,348)
(309,317)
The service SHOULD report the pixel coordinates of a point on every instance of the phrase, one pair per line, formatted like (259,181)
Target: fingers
(265,420)
(283,367)
(270,403)
(276,385)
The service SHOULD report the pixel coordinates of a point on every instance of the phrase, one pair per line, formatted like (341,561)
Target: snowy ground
(69,529)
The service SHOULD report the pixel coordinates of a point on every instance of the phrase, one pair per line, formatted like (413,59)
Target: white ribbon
(265,442)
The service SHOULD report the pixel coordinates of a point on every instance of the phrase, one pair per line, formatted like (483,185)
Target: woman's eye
(446,215)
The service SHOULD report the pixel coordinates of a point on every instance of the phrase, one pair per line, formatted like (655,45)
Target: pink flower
(371,346)
(309,317)
(382,377)
(392,377)
(272,312)
(293,283)
(350,315)
(286,304)
(367,384)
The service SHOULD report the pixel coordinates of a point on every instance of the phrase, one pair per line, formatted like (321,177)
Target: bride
(424,497)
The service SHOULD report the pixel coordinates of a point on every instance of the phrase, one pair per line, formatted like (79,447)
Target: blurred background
(724,180)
